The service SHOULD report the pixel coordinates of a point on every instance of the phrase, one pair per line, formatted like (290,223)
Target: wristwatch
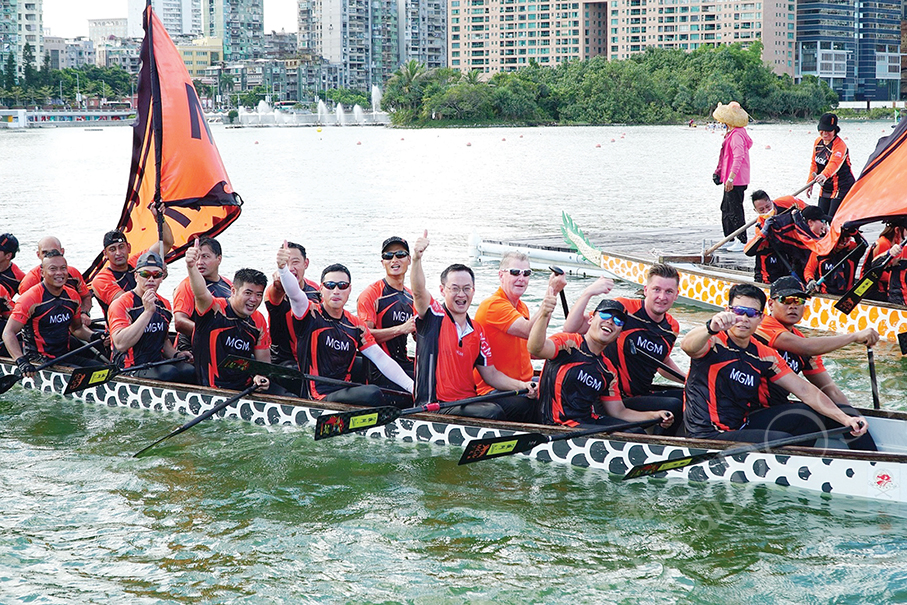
(708,328)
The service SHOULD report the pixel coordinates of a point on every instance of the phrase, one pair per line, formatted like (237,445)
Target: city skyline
(68,19)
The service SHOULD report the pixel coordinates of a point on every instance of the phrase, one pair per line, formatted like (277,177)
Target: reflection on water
(230,512)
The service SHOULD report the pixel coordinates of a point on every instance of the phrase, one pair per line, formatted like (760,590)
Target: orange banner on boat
(879,193)
(174,159)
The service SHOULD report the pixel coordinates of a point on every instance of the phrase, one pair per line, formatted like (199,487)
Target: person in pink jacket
(733,169)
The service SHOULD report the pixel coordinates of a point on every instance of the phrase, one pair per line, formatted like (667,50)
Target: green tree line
(45,86)
(655,87)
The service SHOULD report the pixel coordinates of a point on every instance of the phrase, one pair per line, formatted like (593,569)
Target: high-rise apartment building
(504,35)
(21,23)
(178,16)
(239,24)
(854,46)
(423,32)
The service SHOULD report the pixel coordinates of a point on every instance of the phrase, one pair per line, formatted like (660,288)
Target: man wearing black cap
(46,315)
(139,323)
(579,384)
(830,165)
(786,306)
(117,276)
(10,274)
(386,307)
(726,392)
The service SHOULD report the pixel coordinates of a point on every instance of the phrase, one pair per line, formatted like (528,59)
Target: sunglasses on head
(748,311)
(792,300)
(396,253)
(150,274)
(617,320)
(523,272)
(330,285)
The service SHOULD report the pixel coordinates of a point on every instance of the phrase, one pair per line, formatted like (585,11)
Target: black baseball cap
(113,237)
(814,213)
(150,259)
(9,243)
(788,286)
(394,240)
(612,306)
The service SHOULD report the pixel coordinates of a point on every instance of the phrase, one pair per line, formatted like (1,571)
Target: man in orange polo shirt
(507,321)
(75,281)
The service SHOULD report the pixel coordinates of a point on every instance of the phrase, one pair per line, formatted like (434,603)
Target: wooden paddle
(728,238)
(85,378)
(333,425)
(9,380)
(496,447)
(200,417)
(650,468)
(873,382)
(253,366)
(849,301)
(661,364)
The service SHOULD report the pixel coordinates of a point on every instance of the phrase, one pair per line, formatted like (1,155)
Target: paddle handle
(873,381)
(66,356)
(624,426)
(435,407)
(634,350)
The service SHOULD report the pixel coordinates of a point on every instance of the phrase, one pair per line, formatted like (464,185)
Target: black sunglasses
(397,253)
(330,285)
(523,272)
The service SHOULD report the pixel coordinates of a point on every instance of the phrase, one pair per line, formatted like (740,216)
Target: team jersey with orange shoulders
(11,277)
(184,302)
(832,161)
(386,307)
(124,311)
(841,280)
(47,320)
(6,302)
(280,321)
(727,383)
(496,314)
(220,332)
(108,283)
(575,383)
(767,334)
(635,373)
(74,281)
(327,347)
(445,358)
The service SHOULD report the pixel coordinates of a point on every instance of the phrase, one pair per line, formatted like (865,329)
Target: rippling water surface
(235,513)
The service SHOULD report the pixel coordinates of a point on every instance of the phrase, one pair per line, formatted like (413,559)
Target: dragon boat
(879,476)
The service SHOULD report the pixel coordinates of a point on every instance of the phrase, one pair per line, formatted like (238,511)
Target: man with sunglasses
(726,392)
(139,323)
(651,331)
(386,307)
(229,326)
(449,346)
(579,383)
(786,306)
(75,281)
(507,321)
(328,338)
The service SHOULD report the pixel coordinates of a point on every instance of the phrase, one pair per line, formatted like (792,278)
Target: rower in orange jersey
(75,281)
(46,315)
(10,274)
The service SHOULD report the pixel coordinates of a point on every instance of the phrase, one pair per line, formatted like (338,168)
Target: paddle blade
(7,382)
(332,425)
(641,470)
(852,297)
(85,378)
(496,447)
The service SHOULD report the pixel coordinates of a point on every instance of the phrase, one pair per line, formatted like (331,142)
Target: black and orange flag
(175,163)
(879,194)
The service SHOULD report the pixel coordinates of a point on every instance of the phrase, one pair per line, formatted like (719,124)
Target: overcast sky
(69,18)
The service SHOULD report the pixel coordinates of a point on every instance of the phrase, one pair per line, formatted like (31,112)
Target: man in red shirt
(10,274)
(47,314)
(449,345)
(506,319)
(208,264)
(75,280)
(117,276)
(139,322)
(228,326)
